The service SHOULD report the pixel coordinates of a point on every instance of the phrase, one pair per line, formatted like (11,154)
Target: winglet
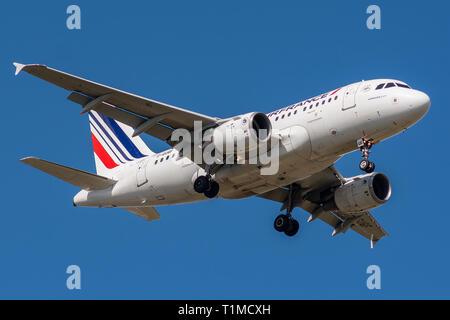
(372,242)
(19,67)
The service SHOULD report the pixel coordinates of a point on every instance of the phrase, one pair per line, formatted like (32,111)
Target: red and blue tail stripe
(107,161)
(124,139)
(113,143)
(103,137)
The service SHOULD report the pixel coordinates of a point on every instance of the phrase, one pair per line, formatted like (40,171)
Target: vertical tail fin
(113,144)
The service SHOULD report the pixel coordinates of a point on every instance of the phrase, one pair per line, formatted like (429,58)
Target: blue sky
(221,59)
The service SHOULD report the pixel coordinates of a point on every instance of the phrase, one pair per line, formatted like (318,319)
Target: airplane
(311,136)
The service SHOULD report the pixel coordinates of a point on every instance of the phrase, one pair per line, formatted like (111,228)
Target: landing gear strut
(284,222)
(207,186)
(365,164)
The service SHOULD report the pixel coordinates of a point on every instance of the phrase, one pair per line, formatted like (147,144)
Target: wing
(144,115)
(307,194)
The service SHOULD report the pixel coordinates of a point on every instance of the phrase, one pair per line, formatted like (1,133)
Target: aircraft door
(349,100)
(141,175)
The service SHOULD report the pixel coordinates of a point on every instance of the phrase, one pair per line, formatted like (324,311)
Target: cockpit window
(390,85)
(380,86)
(402,85)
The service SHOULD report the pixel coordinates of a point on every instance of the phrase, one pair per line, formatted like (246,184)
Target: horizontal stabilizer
(147,213)
(81,179)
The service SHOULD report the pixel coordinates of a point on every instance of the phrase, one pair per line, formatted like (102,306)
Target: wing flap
(81,179)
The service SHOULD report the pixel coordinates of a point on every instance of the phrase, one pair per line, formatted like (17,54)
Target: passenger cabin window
(380,86)
(390,85)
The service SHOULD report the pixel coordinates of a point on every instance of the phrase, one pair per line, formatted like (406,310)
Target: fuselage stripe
(335,91)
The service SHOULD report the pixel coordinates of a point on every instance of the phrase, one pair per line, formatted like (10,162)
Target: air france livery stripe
(103,154)
(105,141)
(111,144)
(102,128)
(123,138)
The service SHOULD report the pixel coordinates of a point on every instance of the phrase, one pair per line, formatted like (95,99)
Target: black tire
(371,167)
(292,228)
(213,190)
(201,184)
(281,223)
(364,164)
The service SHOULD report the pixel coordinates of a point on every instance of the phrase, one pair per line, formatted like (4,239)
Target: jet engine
(363,192)
(242,133)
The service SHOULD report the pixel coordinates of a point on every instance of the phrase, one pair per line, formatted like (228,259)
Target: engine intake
(363,192)
(242,133)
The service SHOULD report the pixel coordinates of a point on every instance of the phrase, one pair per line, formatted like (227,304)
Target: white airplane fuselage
(313,135)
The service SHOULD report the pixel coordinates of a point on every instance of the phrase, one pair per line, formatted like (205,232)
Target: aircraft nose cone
(422,103)
(416,105)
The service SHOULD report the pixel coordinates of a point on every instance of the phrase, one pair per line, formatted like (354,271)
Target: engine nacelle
(242,133)
(364,192)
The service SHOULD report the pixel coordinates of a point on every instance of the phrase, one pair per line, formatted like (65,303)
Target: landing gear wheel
(370,168)
(364,165)
(281,223)
(292,228)
(202,184)
(213,190)
(365,146)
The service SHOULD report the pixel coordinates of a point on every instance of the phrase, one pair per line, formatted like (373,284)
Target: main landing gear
(365,164)
(207,186)
(284,222)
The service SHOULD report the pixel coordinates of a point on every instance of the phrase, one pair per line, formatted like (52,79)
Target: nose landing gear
(365,164)
(284,222)
(207,186)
